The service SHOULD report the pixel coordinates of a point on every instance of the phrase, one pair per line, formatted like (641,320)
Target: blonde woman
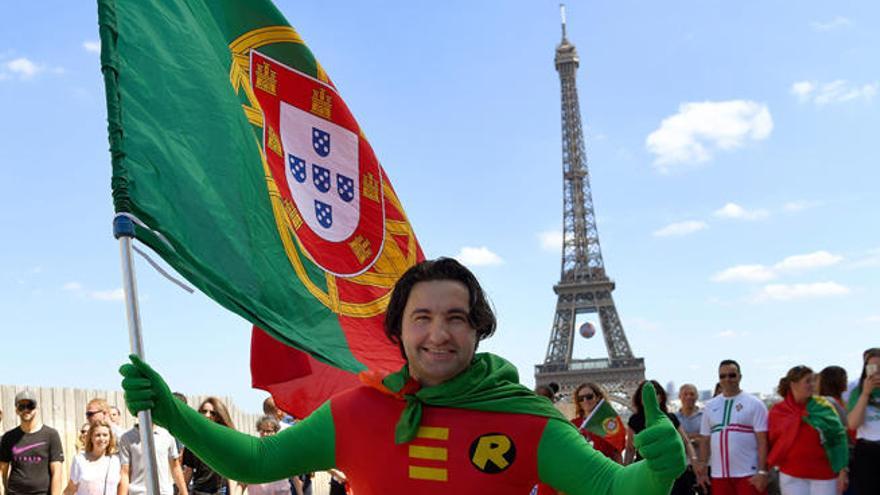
(95,471)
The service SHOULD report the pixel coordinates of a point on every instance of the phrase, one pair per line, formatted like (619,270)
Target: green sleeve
(308,445)
(567,463)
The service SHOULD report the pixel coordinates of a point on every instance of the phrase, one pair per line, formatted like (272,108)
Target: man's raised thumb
(653,414)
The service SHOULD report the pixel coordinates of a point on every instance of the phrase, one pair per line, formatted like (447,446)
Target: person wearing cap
(31,453)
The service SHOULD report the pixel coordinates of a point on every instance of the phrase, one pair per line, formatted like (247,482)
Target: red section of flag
(298,382)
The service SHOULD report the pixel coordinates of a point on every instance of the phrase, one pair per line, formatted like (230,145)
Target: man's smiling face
(437,336)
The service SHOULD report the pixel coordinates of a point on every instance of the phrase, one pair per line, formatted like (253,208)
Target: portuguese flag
(244,169)
(604,422)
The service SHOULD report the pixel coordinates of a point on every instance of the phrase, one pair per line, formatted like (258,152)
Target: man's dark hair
(731,361)
(480,314)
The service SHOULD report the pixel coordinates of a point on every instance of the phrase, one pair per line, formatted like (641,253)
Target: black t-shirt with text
(29,455)
(204,478)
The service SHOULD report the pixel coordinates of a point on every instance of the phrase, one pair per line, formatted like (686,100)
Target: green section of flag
(596,423)
(822,416)
(186,161)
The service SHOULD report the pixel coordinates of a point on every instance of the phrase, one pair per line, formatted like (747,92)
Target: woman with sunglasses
(266,427)
(684,484)
(204,480)
(96,470)
(864,417)
(586,397)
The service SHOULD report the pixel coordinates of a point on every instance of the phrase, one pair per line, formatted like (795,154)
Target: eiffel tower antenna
(562,14)
(583,286)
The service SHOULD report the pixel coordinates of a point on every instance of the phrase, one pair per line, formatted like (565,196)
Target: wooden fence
(64,409)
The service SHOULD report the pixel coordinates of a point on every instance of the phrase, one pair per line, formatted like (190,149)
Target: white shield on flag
(321,165)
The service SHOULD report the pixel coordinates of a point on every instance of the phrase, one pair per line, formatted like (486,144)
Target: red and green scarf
(490,384)
(821,415)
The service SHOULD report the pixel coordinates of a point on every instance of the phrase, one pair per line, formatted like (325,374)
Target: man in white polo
(131,455)
(735,426)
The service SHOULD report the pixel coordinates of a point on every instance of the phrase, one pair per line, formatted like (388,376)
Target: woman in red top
(796,446)
(586,398)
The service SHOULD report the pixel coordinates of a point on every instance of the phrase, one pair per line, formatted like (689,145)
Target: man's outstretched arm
(306,446)
(568,464)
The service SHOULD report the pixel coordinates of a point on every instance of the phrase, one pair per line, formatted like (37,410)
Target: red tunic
(800,452)
(455,451)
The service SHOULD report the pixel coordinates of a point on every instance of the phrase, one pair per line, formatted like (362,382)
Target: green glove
(146,390)
(304,447)
(659,443)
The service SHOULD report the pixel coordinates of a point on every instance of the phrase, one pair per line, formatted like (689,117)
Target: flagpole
(123,229)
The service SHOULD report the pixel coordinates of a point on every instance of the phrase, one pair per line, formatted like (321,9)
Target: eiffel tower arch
(583,286)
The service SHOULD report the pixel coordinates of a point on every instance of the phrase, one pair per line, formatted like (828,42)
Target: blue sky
(732,148)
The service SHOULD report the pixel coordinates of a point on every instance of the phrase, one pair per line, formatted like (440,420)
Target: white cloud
(107,295)
(699,129)
(870,260)
(838,22)
(872,319)
(803,89)
(478,256)
(735,211)
(680,228)
(73,286)
(800,205)
(745,273)
(818,259)
(790,264)
(22,67)
(837,91)
(551,240)
(790,292)
(92,46)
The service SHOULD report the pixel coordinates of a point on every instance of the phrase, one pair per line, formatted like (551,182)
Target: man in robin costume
(450,421)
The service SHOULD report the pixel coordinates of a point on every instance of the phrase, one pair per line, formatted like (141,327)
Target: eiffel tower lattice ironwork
(584,286)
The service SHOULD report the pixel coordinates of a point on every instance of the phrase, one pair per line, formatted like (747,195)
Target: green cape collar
(490,384)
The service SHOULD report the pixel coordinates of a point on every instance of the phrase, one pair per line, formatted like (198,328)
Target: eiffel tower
(583,286)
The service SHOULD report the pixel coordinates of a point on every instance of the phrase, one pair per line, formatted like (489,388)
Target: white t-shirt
(280,487)
(732,423)
(870,428)
(99,477)
(131,452)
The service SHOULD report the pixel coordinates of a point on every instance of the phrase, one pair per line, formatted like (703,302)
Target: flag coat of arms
(604,422)
(245,170)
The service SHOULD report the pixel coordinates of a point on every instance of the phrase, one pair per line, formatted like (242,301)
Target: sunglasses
(26,406)
(209,412)
(728,375)
(268,432)
(89,414)
(585,397)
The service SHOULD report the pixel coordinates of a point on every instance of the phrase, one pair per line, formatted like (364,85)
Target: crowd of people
(110,460)
(822,437)
(452,420)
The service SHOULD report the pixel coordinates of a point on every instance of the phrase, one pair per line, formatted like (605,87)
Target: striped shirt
(732,423)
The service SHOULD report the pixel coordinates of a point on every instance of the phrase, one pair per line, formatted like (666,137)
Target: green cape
(490,384)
